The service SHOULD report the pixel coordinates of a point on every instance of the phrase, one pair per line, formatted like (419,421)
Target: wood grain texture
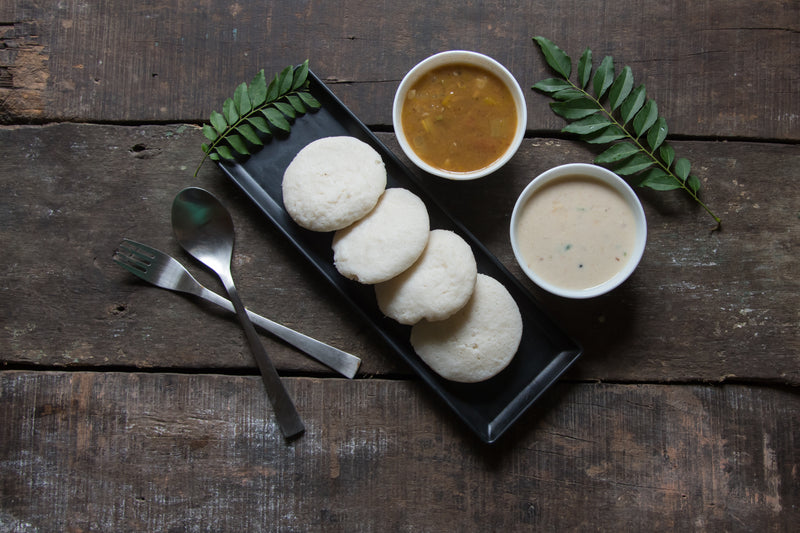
(129,408)
(158,452)
(702,306)
(716,69)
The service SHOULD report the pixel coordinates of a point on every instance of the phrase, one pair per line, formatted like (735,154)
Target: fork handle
(285,412)
(341,361)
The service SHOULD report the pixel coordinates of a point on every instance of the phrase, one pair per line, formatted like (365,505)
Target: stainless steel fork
(164,271)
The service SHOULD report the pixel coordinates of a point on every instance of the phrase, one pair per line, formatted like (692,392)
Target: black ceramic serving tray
(488,408)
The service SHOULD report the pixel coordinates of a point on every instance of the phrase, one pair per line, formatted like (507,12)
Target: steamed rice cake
(386,242)
(333,182)
(477,342)
(437,285)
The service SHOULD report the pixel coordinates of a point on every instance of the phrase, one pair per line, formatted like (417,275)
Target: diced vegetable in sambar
(459,118)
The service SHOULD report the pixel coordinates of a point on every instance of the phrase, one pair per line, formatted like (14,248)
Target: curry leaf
(209,132)
(229,112)
(575,108)
(682,168)
(255,111)
(300,76)
(286,80)
(258,89)
(638,162)
(276,119)
(621,88)
(260,123)
(617,152)
(657,134)
(286,109)
(693,182)
(585,68)
(590,124)
(224,152)
(309,100)
(567,94)
(610,134)
(555,56)
(632,104)
(273,89)
(645,118)
(552,85)
(242,100)
(219,122)
(659,180)
(667,154)
(296,103)
(604,76)
(237,143)
(249,133)
(624,124)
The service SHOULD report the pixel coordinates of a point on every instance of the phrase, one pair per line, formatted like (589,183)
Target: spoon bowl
(204,228)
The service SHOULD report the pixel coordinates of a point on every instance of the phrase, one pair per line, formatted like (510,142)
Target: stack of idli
(464,325)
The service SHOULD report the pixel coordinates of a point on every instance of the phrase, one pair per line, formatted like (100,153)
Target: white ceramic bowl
(461,57)
(601,174)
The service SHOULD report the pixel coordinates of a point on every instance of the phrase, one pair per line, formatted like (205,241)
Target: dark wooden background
(126,407)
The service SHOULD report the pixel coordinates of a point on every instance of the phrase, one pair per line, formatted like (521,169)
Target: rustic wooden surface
(201,452)
(174,60)
(131,408)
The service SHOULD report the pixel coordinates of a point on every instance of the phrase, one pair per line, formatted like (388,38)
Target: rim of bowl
(606,176)
(473,58)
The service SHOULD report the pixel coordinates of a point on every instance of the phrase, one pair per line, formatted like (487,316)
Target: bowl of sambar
(459,115)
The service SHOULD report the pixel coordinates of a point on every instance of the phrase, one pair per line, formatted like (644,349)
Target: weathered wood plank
(701,306)
(113,452)
(708,65)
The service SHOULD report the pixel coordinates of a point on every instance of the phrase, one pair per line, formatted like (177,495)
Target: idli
(437,285)
(332,182)
(386,241)
(477,342)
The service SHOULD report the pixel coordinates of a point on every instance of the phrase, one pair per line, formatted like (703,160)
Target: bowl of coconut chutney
(578,230)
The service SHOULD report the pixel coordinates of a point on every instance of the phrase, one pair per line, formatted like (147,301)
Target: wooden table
(126,407)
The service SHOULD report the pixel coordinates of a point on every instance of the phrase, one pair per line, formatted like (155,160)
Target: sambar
(459,117)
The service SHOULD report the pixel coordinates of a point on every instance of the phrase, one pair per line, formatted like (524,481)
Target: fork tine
(139,246)
(159,268)
(133,256)
(131,265)
(144,253)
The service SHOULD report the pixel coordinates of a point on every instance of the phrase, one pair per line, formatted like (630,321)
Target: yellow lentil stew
(459,118)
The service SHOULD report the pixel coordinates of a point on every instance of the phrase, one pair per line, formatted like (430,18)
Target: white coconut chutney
(576,232)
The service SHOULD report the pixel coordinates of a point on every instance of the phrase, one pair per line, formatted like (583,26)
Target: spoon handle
(285,412)
(345,363)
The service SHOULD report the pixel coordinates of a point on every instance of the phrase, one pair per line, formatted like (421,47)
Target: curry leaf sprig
(257,111)
(630,123)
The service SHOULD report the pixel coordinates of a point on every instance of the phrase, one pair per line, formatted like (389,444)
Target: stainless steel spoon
(204,228)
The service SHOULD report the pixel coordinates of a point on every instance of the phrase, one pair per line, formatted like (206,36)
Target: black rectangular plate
(488,408)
